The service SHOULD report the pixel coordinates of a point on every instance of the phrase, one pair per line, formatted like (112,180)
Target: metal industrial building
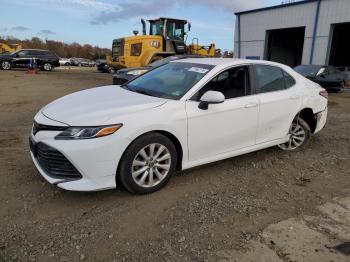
(304,32)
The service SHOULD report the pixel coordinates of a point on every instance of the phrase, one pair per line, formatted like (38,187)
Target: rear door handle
(250,105)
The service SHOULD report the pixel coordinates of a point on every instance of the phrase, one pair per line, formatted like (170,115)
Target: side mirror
(189,26)
(210,97)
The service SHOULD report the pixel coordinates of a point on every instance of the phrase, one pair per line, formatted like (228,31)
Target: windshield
(171,81)
(157,27)
(307,70)
(175,30)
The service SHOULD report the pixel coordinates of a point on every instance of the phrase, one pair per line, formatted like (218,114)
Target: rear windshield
(307,70)
(171,81)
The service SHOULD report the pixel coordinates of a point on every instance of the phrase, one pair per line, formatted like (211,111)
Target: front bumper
(96,160)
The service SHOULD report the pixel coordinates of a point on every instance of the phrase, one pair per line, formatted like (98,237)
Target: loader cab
(172,31)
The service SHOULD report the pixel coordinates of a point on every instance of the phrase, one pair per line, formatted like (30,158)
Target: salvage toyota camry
(186,113)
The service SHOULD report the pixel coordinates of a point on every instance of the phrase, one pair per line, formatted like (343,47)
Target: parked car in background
(105,68)
(82,62)
(45,60)
(65,61)
(180,115)
(86,63)
(346,71)
(328,77)
(124,75)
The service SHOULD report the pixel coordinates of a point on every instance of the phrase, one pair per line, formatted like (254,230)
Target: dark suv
(45,59)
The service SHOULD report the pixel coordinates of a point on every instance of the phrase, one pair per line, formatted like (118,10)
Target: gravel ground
(202,211)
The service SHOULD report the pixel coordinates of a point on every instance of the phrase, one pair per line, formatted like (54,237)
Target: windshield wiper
(142,92)
(125,86)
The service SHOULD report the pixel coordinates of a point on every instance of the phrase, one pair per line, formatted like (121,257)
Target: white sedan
(186,113)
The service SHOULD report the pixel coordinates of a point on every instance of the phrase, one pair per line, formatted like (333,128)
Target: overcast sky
(97,22)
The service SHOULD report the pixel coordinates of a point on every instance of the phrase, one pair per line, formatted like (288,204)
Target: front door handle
(250,105)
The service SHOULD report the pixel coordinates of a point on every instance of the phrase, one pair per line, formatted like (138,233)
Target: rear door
(279,102)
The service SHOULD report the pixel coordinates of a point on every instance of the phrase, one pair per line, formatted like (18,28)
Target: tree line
(60,48)
(75,49)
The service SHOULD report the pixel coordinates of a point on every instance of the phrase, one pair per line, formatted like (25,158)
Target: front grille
(39,127)
(54,163)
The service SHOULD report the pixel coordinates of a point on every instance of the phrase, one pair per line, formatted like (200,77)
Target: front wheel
(148,164)
(299,135)
(5,65)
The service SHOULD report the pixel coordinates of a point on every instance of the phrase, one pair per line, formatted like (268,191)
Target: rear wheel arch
(307,114)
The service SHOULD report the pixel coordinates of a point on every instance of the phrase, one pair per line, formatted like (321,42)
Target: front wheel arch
(122,176)
(173,139)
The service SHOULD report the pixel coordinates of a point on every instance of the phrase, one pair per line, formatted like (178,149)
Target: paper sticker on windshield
(198,70)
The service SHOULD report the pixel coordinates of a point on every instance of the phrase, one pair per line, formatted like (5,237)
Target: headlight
(137,72)
(88,132)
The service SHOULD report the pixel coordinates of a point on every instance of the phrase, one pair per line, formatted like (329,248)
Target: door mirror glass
(211,97)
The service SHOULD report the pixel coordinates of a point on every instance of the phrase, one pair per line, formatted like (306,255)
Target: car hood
(5,56)
(98,106)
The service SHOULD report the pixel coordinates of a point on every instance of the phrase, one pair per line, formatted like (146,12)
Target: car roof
(223,61)
(28,49)
(315,66)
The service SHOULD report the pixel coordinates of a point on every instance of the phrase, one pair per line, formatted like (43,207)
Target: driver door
(225,127)
(21,59)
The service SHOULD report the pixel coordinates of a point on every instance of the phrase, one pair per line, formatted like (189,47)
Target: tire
(47,67)
(299,136)
(136,167)
(5,65)
(111,70)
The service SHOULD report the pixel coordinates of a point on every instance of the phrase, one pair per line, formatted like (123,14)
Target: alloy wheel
(47,67)
(296,139)
(5,65)
(151,165)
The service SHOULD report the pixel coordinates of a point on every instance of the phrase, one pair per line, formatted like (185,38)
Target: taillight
(324,93)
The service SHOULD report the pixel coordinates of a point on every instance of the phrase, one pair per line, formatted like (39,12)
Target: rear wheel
(5,65)
(47,67)
(299,135)
(148,164)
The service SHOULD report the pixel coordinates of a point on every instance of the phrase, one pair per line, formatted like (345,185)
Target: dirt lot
(200,215)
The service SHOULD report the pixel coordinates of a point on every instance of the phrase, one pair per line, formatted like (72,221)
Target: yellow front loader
(5,48)
(166,38)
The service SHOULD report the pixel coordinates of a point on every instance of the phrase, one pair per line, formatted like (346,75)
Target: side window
(232,83)
(34,53)
(289,80)
(23,53)
(269,78)
(321,71)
